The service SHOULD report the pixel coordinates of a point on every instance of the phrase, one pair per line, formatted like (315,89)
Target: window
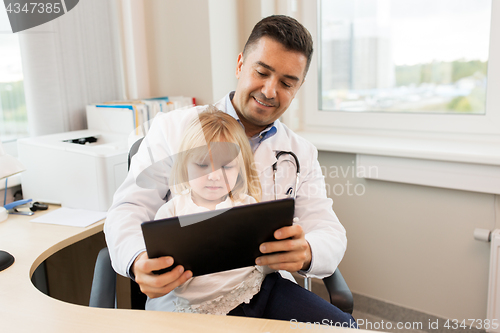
(366,77)
(404,56)
(454,142)
(14,123)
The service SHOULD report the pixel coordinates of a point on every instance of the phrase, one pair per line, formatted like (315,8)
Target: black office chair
(103,293)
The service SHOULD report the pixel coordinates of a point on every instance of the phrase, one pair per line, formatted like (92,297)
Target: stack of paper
(71,217)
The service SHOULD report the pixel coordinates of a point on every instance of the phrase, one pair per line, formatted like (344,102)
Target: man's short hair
(285,30)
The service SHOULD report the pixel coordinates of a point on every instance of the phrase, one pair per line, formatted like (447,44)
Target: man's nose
(269,88)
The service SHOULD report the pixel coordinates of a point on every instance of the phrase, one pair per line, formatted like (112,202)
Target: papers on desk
(71,217)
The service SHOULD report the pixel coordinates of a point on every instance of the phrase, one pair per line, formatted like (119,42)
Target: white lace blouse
(216,293)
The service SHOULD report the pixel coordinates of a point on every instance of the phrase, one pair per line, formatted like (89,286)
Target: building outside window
(404,56)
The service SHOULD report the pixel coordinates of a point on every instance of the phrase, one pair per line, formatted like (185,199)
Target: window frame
(391,142)
(416,125)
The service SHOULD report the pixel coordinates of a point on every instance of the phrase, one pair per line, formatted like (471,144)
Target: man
(270,71)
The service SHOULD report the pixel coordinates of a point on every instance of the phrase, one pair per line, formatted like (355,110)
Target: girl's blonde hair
(213,126)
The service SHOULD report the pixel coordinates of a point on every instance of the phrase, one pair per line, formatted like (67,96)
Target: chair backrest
(133,150)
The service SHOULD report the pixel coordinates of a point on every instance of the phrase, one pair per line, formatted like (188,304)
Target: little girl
(212,171)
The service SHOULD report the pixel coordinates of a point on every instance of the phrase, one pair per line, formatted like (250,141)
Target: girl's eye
(227,167)
(201,165)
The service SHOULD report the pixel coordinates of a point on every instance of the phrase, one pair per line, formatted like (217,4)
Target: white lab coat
(146,187)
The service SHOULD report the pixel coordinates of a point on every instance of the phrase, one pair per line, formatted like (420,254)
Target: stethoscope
(275,167)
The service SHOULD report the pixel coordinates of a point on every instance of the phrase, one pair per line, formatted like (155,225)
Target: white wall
(224,45)
(193,45)
(179,48)
(412,245)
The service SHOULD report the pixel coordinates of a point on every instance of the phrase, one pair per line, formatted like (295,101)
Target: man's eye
(261,74)
(286,85)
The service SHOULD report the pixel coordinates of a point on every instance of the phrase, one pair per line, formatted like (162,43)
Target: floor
(371,314)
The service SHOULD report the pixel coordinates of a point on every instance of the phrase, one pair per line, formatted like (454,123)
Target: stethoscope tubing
(297,167)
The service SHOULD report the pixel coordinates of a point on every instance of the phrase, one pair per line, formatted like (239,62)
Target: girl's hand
(154,285)
(295,250)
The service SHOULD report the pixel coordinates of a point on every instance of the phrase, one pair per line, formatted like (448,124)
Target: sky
(420,31)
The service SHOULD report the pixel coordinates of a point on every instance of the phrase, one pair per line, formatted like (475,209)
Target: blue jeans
(282,299)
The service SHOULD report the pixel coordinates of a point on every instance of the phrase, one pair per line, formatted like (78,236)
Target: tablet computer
(217,240)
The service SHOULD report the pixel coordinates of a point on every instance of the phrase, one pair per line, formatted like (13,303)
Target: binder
(133,116)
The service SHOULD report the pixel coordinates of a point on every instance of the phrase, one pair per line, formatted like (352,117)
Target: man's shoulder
(296,141)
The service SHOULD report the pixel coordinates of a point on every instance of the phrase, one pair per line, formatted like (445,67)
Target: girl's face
(210,180)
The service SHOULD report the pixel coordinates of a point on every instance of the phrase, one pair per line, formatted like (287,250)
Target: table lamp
(9,166)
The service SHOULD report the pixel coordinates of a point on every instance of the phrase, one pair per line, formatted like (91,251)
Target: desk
(23,308)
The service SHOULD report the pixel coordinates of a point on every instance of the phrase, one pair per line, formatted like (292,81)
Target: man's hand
(154,285)
(295,250)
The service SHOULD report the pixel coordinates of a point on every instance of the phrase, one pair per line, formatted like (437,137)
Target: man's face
(269,76)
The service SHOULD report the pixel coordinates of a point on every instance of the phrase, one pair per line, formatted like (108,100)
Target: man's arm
(144,190)
(136,204)
(154,285)
(295,252)
(317,241)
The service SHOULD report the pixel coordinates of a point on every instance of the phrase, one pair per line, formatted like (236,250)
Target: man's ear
(239,64)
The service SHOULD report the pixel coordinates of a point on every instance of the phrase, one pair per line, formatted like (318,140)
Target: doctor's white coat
(146,186)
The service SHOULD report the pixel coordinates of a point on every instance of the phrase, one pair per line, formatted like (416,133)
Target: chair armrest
(103,292)
(340,295)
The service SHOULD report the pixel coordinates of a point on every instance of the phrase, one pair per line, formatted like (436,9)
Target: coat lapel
(265,156)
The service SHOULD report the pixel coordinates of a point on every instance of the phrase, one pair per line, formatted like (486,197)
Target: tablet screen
(217,240)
